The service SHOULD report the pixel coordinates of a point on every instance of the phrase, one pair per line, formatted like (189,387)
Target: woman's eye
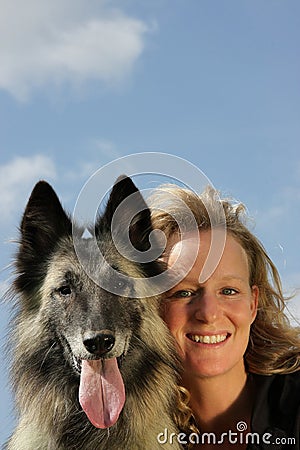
(229,291)
(182,294)
(65,291)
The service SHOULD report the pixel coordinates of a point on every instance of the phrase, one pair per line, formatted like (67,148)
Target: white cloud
(17,178)
(44,42)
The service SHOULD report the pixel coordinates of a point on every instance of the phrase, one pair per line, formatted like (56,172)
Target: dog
(92,369)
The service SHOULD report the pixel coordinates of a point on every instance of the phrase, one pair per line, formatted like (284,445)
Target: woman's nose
(207,307)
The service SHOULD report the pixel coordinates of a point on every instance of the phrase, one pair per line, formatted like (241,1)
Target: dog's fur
(57,304)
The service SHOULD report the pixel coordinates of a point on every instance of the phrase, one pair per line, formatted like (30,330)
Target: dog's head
(97,324)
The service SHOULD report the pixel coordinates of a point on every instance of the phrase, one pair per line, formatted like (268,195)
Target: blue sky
(217,83)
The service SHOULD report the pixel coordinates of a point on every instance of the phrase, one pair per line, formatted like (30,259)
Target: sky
(215,83)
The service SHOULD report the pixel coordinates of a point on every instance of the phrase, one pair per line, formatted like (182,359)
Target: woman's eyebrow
(193,282)
(222,279)
(233,278)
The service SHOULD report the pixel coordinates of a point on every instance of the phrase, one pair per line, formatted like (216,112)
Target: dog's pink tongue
(101,391)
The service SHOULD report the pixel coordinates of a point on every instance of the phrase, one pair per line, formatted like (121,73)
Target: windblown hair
(274,345)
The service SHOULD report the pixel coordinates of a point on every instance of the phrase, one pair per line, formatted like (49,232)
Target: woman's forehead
(192,251)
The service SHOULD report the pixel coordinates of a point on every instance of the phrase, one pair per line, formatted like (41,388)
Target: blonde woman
(241,357)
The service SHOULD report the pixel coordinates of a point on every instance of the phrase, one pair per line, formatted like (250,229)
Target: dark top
(276,413)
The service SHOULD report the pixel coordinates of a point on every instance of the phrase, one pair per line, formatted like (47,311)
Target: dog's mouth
(101,389)
(77,362)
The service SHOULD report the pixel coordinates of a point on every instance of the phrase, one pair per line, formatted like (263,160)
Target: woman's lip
(209,338)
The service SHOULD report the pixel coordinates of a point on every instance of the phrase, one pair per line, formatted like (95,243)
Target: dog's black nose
(99,343)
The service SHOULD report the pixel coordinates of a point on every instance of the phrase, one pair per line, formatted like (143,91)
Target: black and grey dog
(92,369)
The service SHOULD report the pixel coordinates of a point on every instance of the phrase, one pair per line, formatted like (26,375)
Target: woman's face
(211,320)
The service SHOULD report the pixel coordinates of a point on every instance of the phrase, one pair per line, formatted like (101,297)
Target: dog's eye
(123,286)
(65,290)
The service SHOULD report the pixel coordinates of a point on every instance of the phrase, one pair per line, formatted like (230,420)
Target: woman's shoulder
(279,387)
(280,392)
(277,405)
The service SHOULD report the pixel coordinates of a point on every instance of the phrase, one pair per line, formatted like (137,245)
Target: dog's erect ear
(44,222)
(134,216)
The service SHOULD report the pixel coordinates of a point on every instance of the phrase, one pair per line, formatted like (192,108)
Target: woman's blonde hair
(274,345)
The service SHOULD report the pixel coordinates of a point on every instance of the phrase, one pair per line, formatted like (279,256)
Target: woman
(241,357)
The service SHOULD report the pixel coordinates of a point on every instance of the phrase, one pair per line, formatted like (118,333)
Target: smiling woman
(241,357)
(211,321)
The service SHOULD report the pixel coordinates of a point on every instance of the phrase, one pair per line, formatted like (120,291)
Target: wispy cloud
(68,41)
(17,178)
(282,210)
(284,207)
(293,309)
(102,151)
(291,283)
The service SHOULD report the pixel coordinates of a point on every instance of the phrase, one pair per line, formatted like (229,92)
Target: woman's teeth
(205,339)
